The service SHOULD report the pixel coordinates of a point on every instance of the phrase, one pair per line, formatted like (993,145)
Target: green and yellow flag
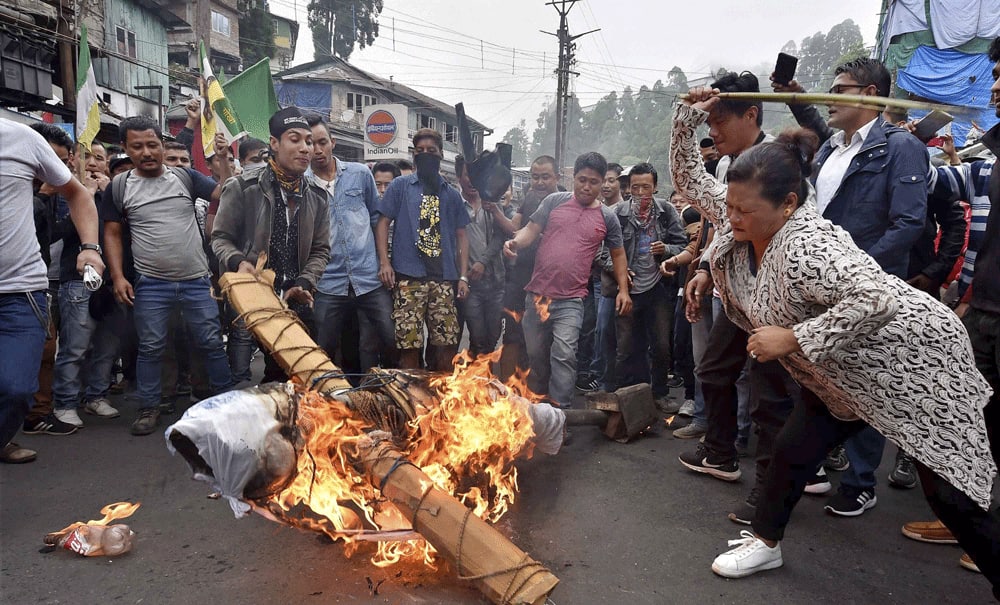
(217,114)
(251,94)
(88,112)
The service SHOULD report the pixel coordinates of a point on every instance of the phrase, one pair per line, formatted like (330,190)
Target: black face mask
(428,169)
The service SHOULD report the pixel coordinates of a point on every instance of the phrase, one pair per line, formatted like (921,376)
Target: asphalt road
(617,523)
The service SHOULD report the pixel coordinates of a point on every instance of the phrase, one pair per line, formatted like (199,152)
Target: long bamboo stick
(822,98)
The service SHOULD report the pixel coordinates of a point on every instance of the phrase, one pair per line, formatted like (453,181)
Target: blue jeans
(239,346)
(79,333)
(154,301)
(551,348)
(864,450)
(602,367)
(330,313)
(483,312)
(586,349)
(23,324)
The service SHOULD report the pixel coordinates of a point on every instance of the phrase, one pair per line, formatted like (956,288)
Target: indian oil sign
(386,132)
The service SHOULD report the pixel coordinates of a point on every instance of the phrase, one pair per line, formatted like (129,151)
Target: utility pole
(567,59)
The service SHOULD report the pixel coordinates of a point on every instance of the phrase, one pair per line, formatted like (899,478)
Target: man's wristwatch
(95,247)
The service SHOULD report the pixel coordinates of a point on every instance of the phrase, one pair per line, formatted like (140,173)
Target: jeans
(864,450)
(720,368)
(603,365)
(330,313)
(155,299)
(239,346)
(585,351)
(551,346)
(79,333)
(482,311)
(23,324)
(652,314)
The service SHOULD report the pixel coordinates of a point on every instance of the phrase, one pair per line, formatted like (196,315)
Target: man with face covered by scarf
(280,212)
(429,256)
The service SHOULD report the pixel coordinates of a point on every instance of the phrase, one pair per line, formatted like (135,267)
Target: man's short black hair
(868,71)
(546,159)
(994,51)
(405,165)
(707,142)
(386,167)
(643,168)
(138,124)
(593,161)
(313,118)
(249,146)
(616,168)
(742,82)
(176,146)
(53,135)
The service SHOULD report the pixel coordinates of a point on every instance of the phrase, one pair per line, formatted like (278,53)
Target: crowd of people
(790,285)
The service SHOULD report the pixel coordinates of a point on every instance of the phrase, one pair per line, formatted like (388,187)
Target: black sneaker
(588,386)
(146,422)
(819,484)
(703,461)
(745,513)
(48,425)
(837,460)
(167,406)
(675,381)
(852,504)
(903,474)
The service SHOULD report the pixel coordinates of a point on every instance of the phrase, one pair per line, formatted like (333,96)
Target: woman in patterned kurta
(862,344)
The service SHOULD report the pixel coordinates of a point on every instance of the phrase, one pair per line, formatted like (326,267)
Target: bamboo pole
(821,98)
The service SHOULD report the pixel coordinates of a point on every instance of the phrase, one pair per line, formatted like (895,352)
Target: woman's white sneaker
(750,556)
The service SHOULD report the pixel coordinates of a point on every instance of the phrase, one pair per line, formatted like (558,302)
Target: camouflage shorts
(432,302)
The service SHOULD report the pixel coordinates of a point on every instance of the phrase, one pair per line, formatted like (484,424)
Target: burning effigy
(419,463)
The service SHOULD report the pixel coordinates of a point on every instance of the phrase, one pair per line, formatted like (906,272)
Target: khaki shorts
(417,302)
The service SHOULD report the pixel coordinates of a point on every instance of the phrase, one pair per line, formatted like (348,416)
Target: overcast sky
(492,56)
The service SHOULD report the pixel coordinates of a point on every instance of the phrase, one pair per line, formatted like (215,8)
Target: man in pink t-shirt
(574,225)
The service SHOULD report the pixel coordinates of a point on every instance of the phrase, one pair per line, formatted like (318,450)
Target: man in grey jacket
(281,213)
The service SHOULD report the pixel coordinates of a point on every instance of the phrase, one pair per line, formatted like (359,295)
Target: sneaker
(903,474)
(48,425)
(588,386)
(691,431)
(674,381)
(837,460)
(101,407)
(853,504)
(819,484)
(167,406)
(183,387)
(745,513)
(13,453)
(69,416)
(967,562)
(667,406)
(703,461)
(687,408)
(750,556)
(932,532)
(146,422)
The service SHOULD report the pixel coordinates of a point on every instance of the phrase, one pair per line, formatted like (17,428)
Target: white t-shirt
(24,156)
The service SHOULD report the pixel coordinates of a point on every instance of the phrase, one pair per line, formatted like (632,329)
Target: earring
(788,213)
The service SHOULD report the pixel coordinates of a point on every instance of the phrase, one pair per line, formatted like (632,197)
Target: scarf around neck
(291,185)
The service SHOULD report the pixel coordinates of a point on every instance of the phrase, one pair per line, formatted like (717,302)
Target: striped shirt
(971,183)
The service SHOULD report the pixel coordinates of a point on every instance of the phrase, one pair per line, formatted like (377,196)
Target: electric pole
(567,59)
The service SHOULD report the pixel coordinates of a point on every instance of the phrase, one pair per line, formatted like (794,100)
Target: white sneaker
(819,484)
(101,407)
(687,408)
(750,556)
(69,416)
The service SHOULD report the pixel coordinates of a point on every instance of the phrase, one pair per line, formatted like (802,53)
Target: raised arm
(687,169)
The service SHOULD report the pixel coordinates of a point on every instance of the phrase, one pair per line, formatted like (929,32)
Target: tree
(256,31)
(677,80)
(337,25)
(517,138)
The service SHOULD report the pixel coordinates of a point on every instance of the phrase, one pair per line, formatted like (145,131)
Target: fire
(517,316)
(670,420)
(466,444)
(111,512)
(542,306)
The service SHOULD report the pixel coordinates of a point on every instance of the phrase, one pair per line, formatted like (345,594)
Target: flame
(466,445)
(111,512)
(542,306)
(517,316)
(670,420)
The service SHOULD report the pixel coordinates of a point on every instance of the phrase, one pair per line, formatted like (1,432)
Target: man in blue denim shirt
(349,283)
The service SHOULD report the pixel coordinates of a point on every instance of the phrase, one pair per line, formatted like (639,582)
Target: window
(357,101)
(126,42)
(450,133)
(428,122)
(220,23)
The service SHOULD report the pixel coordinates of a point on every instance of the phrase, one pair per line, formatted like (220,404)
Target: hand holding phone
(784,69)
(927,127)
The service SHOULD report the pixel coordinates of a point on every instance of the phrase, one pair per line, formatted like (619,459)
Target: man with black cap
(280,212)
(430,255)
(171,268)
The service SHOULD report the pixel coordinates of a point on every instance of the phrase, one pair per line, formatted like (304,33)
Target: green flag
(88,113)
(251,94)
